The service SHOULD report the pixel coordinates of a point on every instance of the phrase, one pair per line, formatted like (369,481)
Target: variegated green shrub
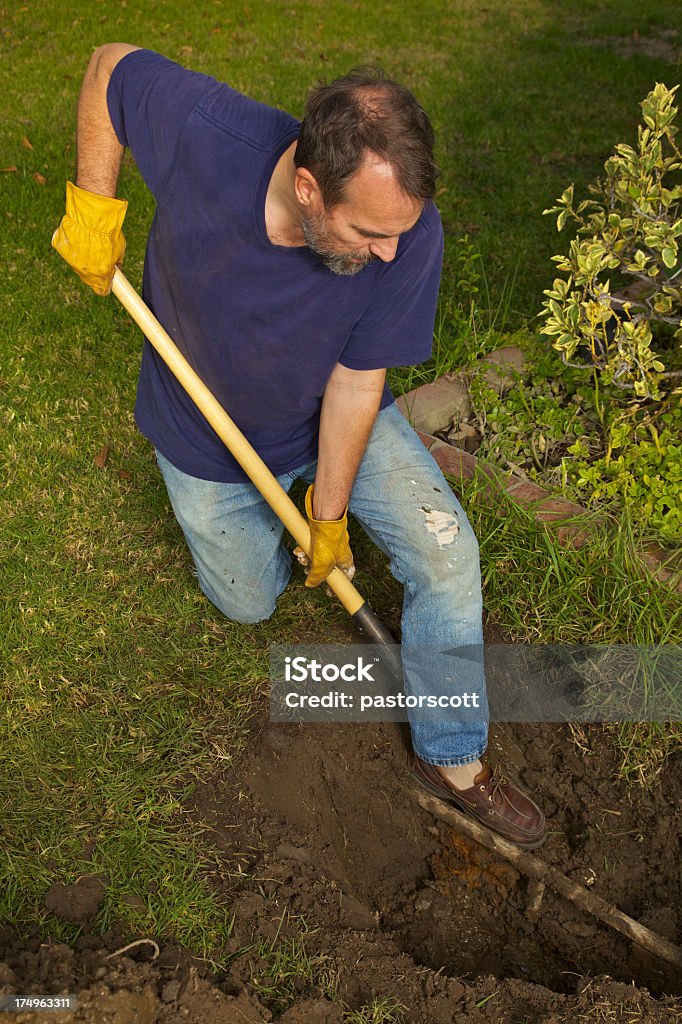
(630,231)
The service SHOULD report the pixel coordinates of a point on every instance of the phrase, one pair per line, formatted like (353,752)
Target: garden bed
(453,428)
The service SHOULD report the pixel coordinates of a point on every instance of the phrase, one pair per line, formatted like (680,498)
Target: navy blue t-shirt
(263,325)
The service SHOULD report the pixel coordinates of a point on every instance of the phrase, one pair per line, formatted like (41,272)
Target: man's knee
(445,552)
(467,547)
(239,604)
(248,616)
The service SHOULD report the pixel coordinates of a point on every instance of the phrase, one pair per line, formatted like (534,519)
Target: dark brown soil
(323,823)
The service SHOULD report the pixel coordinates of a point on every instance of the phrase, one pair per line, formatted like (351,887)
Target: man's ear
(306,188)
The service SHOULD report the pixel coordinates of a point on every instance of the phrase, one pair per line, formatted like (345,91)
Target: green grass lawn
(121,683)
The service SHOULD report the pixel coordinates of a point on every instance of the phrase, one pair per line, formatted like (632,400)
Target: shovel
(254,467)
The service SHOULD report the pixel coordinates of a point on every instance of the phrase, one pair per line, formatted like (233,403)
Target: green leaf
(669,256)
(567,196)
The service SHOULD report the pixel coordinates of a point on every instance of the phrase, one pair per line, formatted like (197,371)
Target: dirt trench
(323,822)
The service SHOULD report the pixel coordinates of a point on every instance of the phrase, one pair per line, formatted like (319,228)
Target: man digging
(292,264)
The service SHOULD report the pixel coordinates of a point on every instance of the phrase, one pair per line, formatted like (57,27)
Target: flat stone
(432,406)
(431,442)
(455,461)
(572,533)
(549,509)
(526,493)
(655,559)
(552,509)
(503,365)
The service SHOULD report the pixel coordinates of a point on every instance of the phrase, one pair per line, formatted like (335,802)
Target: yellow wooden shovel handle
(229,433)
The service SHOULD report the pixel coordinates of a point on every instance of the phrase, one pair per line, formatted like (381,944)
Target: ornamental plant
(641,471)
(629,233)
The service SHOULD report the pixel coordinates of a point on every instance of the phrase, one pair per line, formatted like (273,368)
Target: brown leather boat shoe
(492,800)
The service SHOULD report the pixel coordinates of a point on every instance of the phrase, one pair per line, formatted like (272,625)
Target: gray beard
(339,263)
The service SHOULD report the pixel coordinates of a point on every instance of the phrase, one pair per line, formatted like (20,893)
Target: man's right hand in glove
(329,546)
(90,236)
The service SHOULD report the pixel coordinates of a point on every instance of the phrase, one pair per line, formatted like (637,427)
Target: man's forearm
(99,151)
(349,408)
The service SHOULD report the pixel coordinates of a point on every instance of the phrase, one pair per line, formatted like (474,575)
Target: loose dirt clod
(77,903)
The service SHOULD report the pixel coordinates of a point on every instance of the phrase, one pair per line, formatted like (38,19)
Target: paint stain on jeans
(443,525)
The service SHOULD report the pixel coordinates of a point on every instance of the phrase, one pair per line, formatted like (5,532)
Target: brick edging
(573,522)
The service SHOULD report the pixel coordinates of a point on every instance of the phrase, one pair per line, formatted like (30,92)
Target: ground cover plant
(124,691)
(559,429)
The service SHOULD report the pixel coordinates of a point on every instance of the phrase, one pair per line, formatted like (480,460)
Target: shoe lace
(497,786)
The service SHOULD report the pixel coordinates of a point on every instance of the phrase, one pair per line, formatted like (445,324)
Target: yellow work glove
(328,546)
(90,238)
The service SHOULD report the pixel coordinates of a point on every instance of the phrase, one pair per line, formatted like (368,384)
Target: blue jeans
(405,505)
